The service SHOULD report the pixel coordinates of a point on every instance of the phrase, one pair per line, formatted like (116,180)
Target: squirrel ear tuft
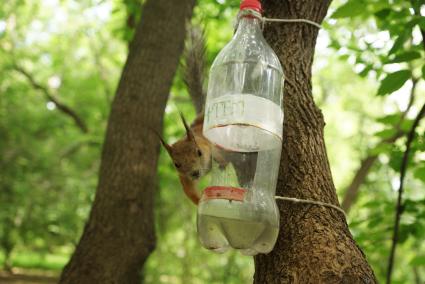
(189,132)
(166,146)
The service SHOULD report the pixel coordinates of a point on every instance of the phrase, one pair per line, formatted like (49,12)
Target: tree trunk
(119,235)
(8,244)
(314,244)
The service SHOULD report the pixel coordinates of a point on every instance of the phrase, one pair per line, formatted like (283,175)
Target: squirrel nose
(195,174)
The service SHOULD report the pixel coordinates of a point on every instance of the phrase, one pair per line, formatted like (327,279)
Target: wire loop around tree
(256,14)
(296,200)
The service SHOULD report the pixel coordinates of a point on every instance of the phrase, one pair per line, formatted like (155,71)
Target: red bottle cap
(251,4)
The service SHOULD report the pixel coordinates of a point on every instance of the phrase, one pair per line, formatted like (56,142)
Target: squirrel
(192,156)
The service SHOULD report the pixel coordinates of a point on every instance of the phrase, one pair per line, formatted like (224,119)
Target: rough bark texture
(314,244)
(119,235)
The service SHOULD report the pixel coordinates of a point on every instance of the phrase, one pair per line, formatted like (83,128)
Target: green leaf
(373,204)
(365,71)
(406,124)
(405,56)
(393,82)
(411,206)
(386,133)
(349,10)
(382,14)
(423,72)
(401,39)
(418,260)
(390,119)
(374,223)
(381,148)
(421,23)
(335,44)
(395,159)
(344,57)
(419,173)
(407,230)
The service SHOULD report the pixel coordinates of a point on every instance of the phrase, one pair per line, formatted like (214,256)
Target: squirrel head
(191,155)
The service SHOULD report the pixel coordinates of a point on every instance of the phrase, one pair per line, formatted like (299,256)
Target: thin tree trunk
(7,244)
(352,191)
(366,164)
(314,244)
(119,235)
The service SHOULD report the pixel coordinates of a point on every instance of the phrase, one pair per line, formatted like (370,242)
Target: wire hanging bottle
(243,118)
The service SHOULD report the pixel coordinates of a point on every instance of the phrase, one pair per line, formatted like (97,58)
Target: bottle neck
(248,25)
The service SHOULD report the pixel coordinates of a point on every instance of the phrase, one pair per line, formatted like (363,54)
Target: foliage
(49,166)
(369,61)
(385,41)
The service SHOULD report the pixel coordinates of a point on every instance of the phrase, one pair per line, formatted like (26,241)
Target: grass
(31,260)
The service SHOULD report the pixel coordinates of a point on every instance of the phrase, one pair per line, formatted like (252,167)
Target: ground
(27,277)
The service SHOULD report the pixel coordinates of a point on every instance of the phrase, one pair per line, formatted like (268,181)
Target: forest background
(60,61)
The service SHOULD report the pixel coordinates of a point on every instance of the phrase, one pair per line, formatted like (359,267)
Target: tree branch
(399,207)
(73,148)
(403,167)
(50,97)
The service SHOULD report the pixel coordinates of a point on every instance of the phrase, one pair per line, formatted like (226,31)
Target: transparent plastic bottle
(243,119)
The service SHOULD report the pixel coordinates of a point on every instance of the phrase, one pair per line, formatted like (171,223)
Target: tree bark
(314,243)
(119,235)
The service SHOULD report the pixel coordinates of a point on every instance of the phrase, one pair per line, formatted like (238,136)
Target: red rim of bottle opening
(223,192)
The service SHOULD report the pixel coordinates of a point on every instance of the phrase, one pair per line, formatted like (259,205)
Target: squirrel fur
(192,156)
(193,153)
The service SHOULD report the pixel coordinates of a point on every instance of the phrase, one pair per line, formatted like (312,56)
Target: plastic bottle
(243,118)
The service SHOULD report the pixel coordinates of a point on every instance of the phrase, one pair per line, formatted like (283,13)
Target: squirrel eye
(177,165)
(199,153)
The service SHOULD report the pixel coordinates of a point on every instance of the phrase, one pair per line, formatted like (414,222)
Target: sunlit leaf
(405,56)
(401,39)
(380,149)
(418,260)
(386,133)
(393,82)
(419,173)
(349,10)
(390,119)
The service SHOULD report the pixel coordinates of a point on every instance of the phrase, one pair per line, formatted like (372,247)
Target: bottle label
(223,192)
(250,118)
